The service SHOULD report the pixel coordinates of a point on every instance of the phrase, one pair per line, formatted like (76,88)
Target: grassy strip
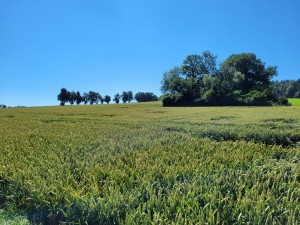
(294,101)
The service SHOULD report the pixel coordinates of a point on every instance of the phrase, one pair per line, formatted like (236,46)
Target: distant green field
(294,101)
(146,164)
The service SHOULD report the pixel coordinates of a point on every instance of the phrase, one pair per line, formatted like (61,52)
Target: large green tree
(242,79)
(197,66)
(256,75)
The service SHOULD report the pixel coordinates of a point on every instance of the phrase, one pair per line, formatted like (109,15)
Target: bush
(256,98)
(283,101)
(172,100)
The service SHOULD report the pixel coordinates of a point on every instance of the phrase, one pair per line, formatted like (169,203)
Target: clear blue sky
(110,46)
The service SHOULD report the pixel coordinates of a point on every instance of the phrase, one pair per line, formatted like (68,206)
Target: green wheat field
(294,101)
(140,163)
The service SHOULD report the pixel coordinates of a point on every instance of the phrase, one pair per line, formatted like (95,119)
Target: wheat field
(141,163)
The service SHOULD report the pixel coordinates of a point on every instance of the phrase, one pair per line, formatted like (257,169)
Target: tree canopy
(75,97)
(242,79)
(145,97)
(287,88)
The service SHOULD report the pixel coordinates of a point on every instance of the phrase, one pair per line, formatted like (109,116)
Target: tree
(127,96)
(192,66)
(197,66)
(92,97)
(256,75)
(171,81)
(72,97)
(117,98)
(145,97)
(130,96)
(99,97)
(78,98)
(63,96)
(85,98)
(124,96)
(242,79)
(286,88)
(107,99)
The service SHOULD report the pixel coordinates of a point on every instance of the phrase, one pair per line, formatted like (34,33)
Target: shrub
(172,100)
(283,101)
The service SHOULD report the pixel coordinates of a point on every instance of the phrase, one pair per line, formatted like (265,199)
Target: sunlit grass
(294,101)
(143,163)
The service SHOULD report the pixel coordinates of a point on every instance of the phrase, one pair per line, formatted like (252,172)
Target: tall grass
(144,164)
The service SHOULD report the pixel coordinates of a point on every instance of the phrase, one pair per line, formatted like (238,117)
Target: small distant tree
(72,97)
(145,97)
(130,96)
(78,98)
(117,98)
(93,97)
(107,99)
(99,97)
(125,96)
(102,100)
(63,96)
(85,98)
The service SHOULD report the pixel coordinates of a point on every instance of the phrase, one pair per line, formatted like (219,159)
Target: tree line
(287,88)
(242,79)
(92,97)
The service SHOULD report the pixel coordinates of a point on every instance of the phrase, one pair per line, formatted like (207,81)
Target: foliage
(145,97)
(12,219)
(94,97)
(127,96)
(72,97)
(63,96)
(197,66)
(287,88)
(147,164)
(117,98)
(106,99)
(242,79)
(91,97)
(283,101)
(78,98)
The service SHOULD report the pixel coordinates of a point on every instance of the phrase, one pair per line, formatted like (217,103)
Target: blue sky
(120,45)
